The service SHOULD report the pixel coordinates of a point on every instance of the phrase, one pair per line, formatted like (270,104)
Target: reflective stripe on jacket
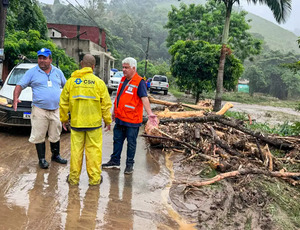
(86,97)
(130,106)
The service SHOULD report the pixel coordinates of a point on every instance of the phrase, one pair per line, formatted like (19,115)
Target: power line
(87,14)
(87,17)
(77,9)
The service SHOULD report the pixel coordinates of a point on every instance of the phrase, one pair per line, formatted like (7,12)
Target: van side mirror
(1,82)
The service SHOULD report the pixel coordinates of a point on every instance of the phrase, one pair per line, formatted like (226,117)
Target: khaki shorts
(43,121)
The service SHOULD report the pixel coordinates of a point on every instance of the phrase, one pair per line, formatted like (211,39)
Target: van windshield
(160,78)
(16,75)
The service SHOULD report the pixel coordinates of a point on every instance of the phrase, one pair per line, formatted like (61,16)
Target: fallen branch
(188,114)
(221,143)
(289,160)
(259,150)
(276,142)
(167,103)
(240,172)
(270,158)
(205,157)
(169,114)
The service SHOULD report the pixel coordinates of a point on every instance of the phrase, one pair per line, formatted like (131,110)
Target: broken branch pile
(225,144)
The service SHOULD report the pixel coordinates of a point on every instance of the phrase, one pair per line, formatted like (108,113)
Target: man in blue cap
(46,82)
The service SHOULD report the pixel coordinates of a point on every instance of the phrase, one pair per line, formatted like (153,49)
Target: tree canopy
(26,44)
(206,22)
(269,75)
(127,24)
(25,15)
(195,64)
(280,9)
(26,33)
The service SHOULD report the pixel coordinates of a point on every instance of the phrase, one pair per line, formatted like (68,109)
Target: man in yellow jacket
(86,97)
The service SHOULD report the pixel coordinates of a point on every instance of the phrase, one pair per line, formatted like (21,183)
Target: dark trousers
(120,133)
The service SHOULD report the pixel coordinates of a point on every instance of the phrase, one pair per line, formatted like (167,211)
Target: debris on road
(227,144)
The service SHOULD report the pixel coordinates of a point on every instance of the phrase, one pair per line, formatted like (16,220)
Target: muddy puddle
(33,198)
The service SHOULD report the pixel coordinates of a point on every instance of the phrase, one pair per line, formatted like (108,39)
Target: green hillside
(148,20)
(275,36)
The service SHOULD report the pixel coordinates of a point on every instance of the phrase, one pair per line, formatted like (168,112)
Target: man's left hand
(153,119)
(64,125)
(107,127)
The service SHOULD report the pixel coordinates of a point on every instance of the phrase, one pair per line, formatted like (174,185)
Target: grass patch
(208,172)
(285,204)
(237,115)
(182,97)
(248,223)
(285,129)
(258,99)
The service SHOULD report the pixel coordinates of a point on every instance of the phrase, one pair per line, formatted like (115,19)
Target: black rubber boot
(55,153)
(41,149)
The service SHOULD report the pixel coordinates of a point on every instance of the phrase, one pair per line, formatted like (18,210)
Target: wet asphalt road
(34,198)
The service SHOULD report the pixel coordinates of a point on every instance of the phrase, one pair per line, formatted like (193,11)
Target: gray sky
(263,11)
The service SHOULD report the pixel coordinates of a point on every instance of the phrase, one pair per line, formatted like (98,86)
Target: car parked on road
(8,116)
(159,83)
(114,81)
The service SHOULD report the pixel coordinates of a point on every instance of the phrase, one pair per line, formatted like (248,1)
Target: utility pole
(3,12)
(147,50)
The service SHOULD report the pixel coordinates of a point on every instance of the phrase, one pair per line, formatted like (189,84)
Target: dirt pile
(228,176)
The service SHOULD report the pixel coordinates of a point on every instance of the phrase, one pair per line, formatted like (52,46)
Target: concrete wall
(76,48)
(92,33)
(52,33)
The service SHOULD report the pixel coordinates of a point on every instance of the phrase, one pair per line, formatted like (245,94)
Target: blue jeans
(120,133)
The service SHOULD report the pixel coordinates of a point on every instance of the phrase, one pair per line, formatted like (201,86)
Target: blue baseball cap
(44,51)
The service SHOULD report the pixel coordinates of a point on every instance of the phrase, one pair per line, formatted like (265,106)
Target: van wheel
(151,90)
(166,92)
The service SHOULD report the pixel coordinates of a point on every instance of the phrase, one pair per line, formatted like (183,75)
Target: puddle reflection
(82,215)
(119,214)
(41,200)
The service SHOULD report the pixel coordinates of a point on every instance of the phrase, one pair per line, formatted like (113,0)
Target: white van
(8,116)
(114,81)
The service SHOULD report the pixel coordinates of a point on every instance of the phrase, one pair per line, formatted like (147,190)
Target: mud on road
(35,199)
(32,198)
(267,114)
(245,202)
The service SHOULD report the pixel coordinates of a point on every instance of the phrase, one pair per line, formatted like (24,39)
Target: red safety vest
(130,107)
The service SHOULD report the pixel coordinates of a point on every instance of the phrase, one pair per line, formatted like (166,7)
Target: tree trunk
(197,97)
(3,12)
(202,105)
(189,114)
(219,90)
(220,77)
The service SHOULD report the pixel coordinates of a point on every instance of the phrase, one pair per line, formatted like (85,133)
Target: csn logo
(78,81)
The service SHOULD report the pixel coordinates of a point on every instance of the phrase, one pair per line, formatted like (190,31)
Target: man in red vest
(128,114)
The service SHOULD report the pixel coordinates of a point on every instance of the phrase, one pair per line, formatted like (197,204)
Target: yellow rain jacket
(87,99)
